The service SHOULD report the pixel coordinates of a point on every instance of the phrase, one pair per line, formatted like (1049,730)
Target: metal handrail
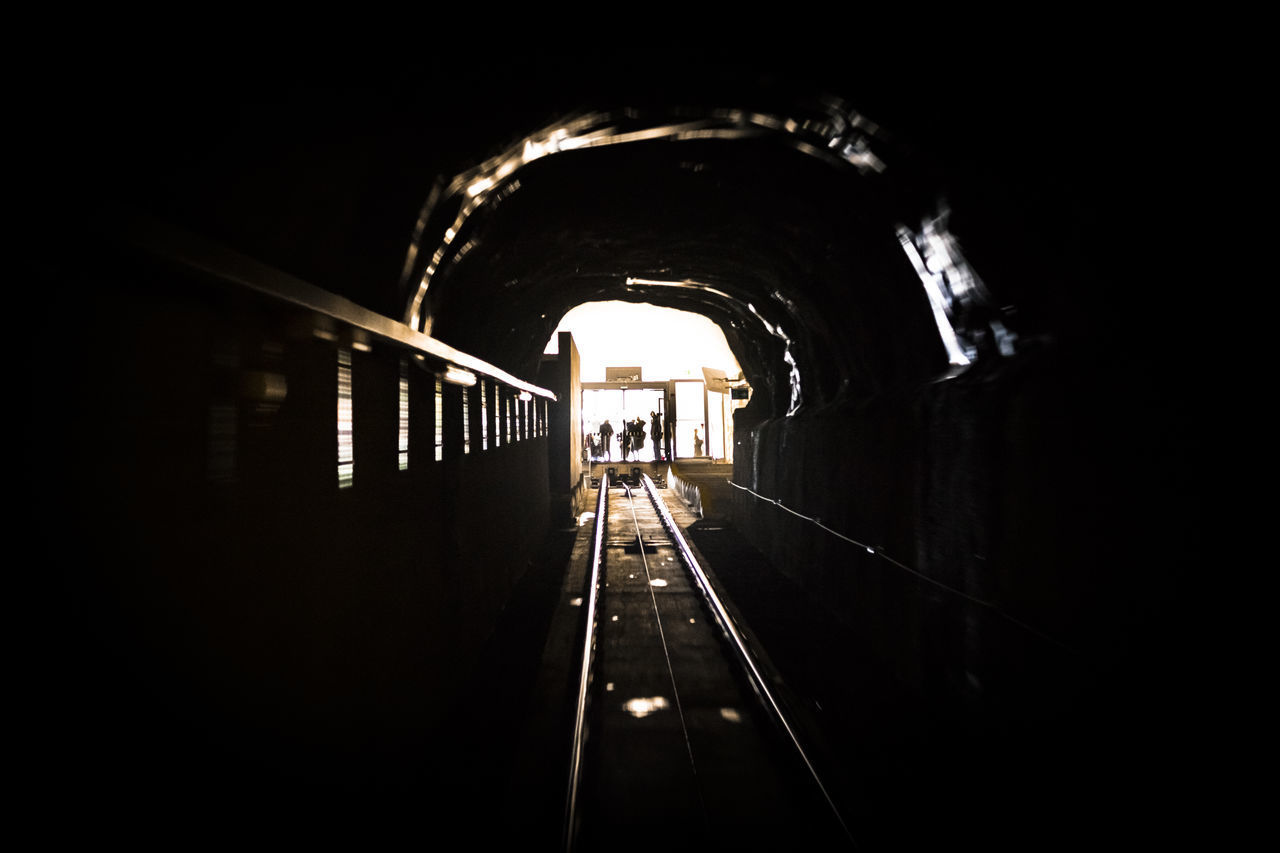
(175,244)
(588,653)
(731,632)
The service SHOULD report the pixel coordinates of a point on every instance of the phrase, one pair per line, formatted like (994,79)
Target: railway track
(679,739)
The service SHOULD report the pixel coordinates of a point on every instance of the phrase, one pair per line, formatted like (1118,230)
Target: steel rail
(588,653)
(731,632)
(662,636)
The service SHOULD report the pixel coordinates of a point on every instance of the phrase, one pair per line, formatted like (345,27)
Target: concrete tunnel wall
(227,620)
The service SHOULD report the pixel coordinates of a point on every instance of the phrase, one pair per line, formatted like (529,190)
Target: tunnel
(965,454)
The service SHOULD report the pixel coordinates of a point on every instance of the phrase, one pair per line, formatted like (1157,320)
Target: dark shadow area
(222,643)
(504,797)
(910,770)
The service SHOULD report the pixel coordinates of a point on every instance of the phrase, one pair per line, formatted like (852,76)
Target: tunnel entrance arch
(816,242)
(665,347)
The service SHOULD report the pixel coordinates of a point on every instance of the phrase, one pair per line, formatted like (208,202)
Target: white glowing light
(795,380)
(346,446)
(643,707)
(767,325)
(693,340)
(479,187)
(649,282)
(955,353)
(458,376)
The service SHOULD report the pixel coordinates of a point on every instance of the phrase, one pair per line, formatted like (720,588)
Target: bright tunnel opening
(638,361)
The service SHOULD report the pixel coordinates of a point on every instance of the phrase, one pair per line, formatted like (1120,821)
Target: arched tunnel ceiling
(782,221)
(335,185)
(791,255)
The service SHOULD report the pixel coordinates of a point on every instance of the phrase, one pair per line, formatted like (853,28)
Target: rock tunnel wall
(1020,588)
(224,600)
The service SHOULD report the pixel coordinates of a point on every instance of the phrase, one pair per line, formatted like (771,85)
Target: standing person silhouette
(636,428)
(697,443)
(655,435)
(606,439)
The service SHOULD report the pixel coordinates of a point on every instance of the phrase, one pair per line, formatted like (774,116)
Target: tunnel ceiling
(781,220)
(792,247)
(791,255)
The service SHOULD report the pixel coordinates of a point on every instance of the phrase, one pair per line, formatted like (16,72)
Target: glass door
(691,418)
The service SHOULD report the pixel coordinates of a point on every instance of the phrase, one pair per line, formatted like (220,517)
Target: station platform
(709,477)
(702,482)
(620,468)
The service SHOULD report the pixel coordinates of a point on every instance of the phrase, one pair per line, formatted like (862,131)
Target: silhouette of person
(606,439)
(697,444)
(655,434)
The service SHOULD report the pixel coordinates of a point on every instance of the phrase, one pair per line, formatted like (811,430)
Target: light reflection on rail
(642,706)
(731,632)
(588,652)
